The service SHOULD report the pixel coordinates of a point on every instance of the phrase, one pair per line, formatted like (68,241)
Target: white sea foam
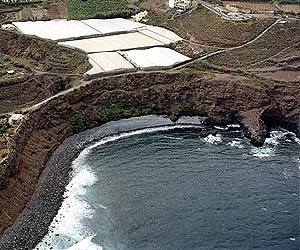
(271,143)
(236,143)
(67,222)
(263,152)
(173,138)
(86,244)
(132,133)
(233,126)
(213,139)
(220,128)
(67,227)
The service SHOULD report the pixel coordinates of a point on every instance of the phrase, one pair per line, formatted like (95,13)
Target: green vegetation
(116,111)
(88,118)
(289,1)
(4,126)
(79,9)
(80,121)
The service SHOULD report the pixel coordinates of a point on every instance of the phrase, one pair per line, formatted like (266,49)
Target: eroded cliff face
(221,100)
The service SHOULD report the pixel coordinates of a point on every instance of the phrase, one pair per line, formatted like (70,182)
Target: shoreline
(220,102)
(33,223)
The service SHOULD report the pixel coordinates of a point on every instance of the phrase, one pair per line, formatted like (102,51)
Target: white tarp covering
(96,69)
(68,30)
(113,43)
(156,36)
(115,25)
(56,29)
(108,62)
(161,34)
(155,58)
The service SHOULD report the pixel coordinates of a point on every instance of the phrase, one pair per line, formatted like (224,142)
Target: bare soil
(283,76)
(253,6)
(293,8)
(53,9)
(58,9)
(156,6)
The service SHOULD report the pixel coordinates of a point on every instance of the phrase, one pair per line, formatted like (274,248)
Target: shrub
(78,9)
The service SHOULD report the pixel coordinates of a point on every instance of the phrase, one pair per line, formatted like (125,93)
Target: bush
(85,119)
(4,126)
(78,9)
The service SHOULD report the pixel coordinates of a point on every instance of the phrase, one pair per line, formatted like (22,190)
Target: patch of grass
(4,126)
(83,9)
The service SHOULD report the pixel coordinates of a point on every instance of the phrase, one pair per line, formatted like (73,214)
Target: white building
(181,5)
(9,1)
(172,4)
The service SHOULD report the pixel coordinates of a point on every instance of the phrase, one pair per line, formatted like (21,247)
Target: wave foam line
(66,230)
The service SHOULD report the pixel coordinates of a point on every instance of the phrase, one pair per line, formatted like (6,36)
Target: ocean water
(170,189)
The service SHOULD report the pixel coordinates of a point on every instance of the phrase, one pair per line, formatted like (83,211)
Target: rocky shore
(220,100)
(39,213)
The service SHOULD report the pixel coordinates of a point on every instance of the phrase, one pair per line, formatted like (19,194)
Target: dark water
(174,190)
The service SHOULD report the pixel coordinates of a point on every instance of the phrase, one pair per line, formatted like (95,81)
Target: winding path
(229,49)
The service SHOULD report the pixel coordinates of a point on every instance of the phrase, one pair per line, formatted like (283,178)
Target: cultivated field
(24,55)
(78,9)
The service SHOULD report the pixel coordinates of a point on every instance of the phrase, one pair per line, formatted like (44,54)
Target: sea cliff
(219,100)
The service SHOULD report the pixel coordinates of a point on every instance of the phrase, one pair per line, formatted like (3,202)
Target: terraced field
(40,55)
(207,28)
(276,40)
